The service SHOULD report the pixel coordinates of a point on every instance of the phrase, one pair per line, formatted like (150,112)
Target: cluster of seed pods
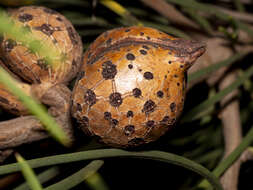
(130,88)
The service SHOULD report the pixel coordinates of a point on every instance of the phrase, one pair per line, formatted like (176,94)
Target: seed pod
(48,27)
(132,86)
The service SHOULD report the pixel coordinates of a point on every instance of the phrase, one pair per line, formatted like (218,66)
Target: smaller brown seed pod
(51,28)
(133,88)
(48,27)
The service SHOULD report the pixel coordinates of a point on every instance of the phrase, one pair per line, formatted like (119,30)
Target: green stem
(77,177)
(109,153)
(42,177)
(28,173)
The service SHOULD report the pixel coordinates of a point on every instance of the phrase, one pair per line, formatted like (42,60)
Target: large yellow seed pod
(132,86)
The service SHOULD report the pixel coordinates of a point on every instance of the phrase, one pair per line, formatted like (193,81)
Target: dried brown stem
(230,117)
(28,129)
(219,49)
(20,130)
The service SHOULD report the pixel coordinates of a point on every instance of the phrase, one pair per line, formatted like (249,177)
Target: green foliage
(110,153)
(28,173)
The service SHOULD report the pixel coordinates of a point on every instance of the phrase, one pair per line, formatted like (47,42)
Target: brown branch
(230,117)
(219,49)
(27,129)
(19,131)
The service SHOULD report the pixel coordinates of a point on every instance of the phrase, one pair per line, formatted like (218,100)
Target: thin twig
(230,117)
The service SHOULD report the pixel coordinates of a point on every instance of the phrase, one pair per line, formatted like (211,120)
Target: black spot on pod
(130,56)
(143,52)
(114,122)
(148,75)
(109,70)
(107,115)
(149,107)
(90,97)
(128,30)
(129,130)
(173,106)
(72,35)
(150,123)
(130,113)
(46,29)
(115,99)
(25,17)
(141,33)
(145,47)
(9,45)
(136,92)
(130,66)
(165,120)
(42,64)
(159,94)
